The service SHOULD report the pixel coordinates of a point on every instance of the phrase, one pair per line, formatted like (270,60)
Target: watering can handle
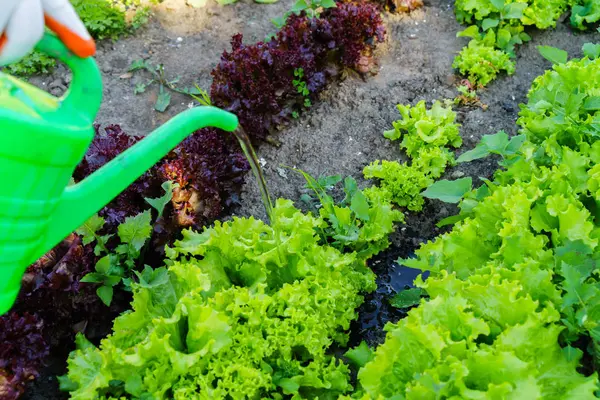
(85,91)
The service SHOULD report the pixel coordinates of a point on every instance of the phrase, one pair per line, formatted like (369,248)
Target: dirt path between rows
(340,134)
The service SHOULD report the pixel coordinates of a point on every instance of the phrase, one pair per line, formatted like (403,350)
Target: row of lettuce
(496,27)
(85,282)
(514,293)
(250,310)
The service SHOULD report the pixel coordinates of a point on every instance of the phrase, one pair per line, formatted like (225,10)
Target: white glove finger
(24,30)
(6,11)
(64,13)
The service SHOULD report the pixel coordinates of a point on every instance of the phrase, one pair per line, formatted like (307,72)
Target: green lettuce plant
(354,223)
(241,310)
(426,135)
(514,288)
(497,27)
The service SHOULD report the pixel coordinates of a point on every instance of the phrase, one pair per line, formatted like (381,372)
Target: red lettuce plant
(22,351)
(207,166)
(104,148)
(256,82)
(209,171)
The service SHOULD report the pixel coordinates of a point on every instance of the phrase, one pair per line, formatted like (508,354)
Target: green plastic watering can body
(42,139)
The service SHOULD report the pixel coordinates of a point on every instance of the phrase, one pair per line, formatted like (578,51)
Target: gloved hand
(22,27)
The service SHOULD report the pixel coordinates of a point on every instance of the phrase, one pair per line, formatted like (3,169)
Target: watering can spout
(79,202)
(42,139)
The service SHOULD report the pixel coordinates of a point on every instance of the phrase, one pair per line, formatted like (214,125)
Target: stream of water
(248,150)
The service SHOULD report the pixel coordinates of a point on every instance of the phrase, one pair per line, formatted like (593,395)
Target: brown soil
(340,134)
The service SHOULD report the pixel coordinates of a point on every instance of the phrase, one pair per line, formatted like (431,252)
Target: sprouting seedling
(302,88)
(201,96)
(164,85)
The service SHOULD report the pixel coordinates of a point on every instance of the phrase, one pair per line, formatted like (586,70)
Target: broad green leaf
(474,154)
(524,37)
(489,23)
(592,103)
(514,144)
(495,143)
(499,4)
(300,5)
(134,385)
(360,355)
(472,32)
(407,298)
(105,293)
(350,188)
(136,230)
(103,265)
(112,280)
(279,21)
(360,205)
(328,182)
(503,38)
(92,277)
(328,3)
(89,229)
(163,100)
(159,203)
(554,55)
(288,385)
(591,50)
(449,191)
(572,353)
(451,220)
(513,10)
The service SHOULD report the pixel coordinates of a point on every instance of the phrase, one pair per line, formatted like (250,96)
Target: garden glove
(22,27)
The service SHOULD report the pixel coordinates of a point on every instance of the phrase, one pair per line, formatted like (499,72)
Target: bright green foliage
(514,286)
(426,137)
(401,184)
(541,13)
(497,26)
(115,266)
(564,105)
(475,339)
(243,310)
(356,223)
(104,19)
(34,63)
(585,12)
(101,18)
(482,63)
(422,128)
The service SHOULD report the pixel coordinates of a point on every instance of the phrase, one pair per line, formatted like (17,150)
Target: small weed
(300,85)
(201,96)
(159,77)
(468,95)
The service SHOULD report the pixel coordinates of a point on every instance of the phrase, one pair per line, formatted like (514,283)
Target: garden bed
(340,134)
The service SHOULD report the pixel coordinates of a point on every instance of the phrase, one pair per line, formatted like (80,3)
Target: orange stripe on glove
(80,47)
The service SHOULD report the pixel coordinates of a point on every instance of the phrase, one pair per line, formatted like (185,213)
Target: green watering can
(42,139)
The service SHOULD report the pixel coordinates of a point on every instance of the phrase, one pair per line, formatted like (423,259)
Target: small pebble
(282,172)
(180,39)
(412,36)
